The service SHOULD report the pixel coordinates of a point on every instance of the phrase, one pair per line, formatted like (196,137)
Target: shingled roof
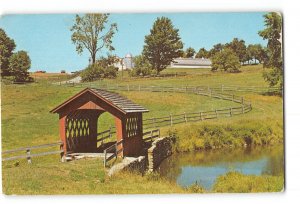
(114,99)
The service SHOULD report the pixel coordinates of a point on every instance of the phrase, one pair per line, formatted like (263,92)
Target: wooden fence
(220,88)
(26,152)
(111,152)
(102,136)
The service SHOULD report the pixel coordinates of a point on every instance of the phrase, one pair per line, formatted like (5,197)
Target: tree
(226,60)
(7,46)
(19,64)
(190,52)
(255,51)
(89,31)
(202,53)
(163,44)
(142,66)
(216,48)
(272,33)
(239,47)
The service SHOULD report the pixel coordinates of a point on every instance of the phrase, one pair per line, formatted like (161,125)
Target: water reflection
(205,166)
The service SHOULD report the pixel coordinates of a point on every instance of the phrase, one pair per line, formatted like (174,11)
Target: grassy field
(26,121)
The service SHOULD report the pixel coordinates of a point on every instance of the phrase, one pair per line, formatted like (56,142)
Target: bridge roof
(115,100)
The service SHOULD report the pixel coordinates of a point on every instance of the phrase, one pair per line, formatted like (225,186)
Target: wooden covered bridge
(78,121)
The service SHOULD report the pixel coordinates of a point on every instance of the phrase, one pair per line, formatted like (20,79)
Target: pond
(203,167)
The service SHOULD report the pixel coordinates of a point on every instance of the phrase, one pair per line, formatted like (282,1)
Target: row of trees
(163,44)
(13,65)
(245,53)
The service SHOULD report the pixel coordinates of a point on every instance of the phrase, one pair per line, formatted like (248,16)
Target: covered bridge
(78,119)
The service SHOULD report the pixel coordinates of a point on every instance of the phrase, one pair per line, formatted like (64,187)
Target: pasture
(26,121)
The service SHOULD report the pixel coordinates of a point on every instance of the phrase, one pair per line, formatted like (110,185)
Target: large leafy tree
(226,60)
(190,52)
(239,47)
(163,44)
(255,51)
(7,46)
(90,31)
(19,64)
(202,53)
(272,33)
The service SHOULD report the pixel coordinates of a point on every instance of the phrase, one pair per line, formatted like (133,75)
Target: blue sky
(47,37)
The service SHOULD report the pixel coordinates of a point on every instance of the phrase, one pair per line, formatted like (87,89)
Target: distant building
(128,61)
(40,71)
(191,63)
(125,63)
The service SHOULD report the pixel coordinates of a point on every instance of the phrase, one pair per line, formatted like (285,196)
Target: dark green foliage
(272,33)
(89,31)
(7,46)
(225,60)
(216,48)
(256,52)
(190,52)
(103,68)
(202,53)
(19,64)
(163,44)
(142,67)
(239,48)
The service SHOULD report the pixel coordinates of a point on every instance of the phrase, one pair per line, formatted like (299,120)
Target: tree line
(14,65)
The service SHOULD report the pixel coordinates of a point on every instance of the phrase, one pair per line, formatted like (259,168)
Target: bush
(103,68)
(142,67)
(226,60)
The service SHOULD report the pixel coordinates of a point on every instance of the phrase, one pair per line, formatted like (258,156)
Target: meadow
(26,121)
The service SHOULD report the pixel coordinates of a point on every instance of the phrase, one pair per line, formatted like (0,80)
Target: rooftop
(115,100)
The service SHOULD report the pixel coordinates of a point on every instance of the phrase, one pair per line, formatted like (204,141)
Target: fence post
(151,136)
(210,93)
(116,151)
(158,132)
(216,113)
(185,118)
(127,87)
(185,89)
(104,160)
(230,112)
(62,154)
(222,87)
(243,101)
(28,156)
(153,123)
(171,120)
(243,108)
(201,118)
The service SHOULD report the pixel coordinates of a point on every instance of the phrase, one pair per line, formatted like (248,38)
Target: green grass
(26,121)
(234,182)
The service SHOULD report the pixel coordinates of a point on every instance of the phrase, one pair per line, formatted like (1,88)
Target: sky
(47,37)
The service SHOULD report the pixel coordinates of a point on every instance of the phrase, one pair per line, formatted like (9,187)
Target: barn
(191,63)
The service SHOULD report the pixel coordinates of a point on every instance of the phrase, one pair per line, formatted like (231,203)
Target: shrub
(142,67)
(103,68)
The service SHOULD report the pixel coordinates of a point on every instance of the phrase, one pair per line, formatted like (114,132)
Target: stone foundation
(161,148)
(131,164)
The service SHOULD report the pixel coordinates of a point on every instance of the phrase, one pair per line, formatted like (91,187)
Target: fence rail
(27,152)
(151,135)
(113,149)
(218,88)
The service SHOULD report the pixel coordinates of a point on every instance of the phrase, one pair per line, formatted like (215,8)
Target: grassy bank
(234,182)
